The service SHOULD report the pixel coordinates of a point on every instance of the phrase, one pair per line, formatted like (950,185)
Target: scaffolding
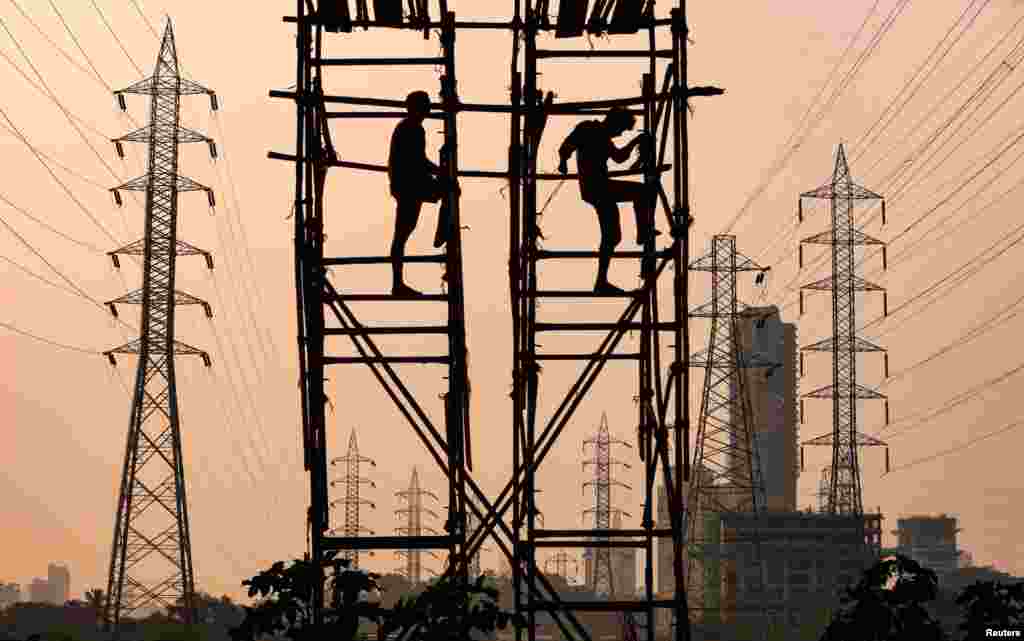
(661,359)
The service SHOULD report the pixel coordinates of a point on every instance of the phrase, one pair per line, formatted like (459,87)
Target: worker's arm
(622,155)
(567,149)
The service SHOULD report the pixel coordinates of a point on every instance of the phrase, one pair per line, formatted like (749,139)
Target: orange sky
(65,413)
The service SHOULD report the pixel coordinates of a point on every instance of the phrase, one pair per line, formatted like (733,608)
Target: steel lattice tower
(600,557)
(844,494)
(824,483)
(413,514)
(151,557)
(352,480)
(726,467)
(561,562)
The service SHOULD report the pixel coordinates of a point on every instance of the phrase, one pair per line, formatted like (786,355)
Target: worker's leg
(407,214)
(611,236)
(643,205)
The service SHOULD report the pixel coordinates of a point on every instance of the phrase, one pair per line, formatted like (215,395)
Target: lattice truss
(352,502)
(602,512)
(727,475)
(412,516)
(845,493)
(325,307)
(151,556)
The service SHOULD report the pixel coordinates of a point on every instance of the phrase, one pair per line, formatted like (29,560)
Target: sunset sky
(64,410)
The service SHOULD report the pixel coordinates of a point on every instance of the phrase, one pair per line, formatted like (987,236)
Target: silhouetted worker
(414,180)
(591,141)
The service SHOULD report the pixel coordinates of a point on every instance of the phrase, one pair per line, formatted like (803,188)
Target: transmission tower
(558,564)
(727,476)
(352,480)
(824,483)
(600,579)
(413,515)
(844,494)
(151,556)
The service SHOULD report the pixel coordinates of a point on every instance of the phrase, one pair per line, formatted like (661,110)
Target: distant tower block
(151,559)
(352,481)
(599,577)
(845,494)
(413,515)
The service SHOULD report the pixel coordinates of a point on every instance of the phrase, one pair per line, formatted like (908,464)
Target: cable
(145,20)
(52,343)
(53,160)
(958,448)
(907,84)
(49,282)
(116,39)
(47,227)
(851,74)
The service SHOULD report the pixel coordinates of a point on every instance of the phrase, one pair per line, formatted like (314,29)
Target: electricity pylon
(413,513)
(352,481)
(561,561)
(151,530)
(845,493)
(600,557)
(727,475)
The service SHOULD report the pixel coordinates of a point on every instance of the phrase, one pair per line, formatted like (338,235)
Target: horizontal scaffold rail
(597,606)
(385,542)
(557,109)
(367,360)
(554,534)
(504,25)
(586,543)
(464,173)
(359,331)
(593,356)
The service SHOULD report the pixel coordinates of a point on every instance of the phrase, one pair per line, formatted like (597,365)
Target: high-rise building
(59,579)
(773,403)
(10,593)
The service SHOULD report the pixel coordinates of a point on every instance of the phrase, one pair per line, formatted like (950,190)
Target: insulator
(206,359)
(801,302)
(886,411)
(209,260)
(801,458)
(113,257)
(209,197)
(117,198)
(119,148)
(885,361)
(883,211)
(213,101)
(208,310)
(110,357)
(800,210)
(113,309)
(800,256)
(885,303)
(801,411)
(121,102)
(213,149)
(801,364)
(884,261)
(887,460)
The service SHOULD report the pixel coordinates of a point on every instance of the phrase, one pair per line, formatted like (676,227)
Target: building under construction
(929,540)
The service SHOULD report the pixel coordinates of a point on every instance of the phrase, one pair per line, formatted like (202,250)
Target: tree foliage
(888,604)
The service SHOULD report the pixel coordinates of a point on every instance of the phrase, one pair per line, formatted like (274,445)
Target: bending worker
(591,141)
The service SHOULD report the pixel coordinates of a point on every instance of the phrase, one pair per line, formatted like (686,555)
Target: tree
(286,595)
(887,604)
(451,610)
(991,604)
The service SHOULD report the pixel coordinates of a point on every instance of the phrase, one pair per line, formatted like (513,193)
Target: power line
(837,93)
(43,279)
(52,343)
(49,228)
(958,448)
(116,39)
